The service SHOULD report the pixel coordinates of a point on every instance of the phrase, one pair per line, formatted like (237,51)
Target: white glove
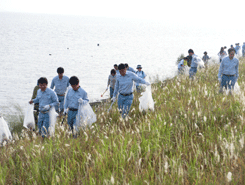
(46,107)
(219,80)
(80,100)
(147,83)
(113,99)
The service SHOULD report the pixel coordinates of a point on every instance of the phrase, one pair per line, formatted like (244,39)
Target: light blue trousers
(228,81)
(71,120)
(124,104)
(60,107)
(43,124)
(192,72)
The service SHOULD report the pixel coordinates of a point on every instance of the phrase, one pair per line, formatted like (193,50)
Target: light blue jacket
(71,99)
(60,85)
(124,84)
(131,69)
(195,60)
(229,67)
(47,97)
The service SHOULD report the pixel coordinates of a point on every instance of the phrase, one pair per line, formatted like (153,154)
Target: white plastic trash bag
(146,101)
(52,120)
(85,116)
(29,121)
(5,133)
(236,88)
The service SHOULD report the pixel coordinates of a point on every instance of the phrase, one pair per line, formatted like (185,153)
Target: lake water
(35,45)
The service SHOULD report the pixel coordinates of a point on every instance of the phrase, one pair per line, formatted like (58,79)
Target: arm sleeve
(54,99)
(220,70)
(52,84)
(116,89)
(138,79)
(108,83)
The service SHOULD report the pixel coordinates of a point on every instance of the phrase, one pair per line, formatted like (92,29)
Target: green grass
(194,136)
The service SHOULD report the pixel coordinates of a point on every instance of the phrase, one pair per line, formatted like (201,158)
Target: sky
(208,12)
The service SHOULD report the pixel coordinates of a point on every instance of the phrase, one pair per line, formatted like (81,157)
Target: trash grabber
(110,106)
(103,93)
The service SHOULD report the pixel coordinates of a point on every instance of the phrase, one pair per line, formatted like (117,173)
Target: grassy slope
(194,136)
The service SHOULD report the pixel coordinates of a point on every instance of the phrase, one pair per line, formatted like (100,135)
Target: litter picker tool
(110,106)
(63,119)
(103,93)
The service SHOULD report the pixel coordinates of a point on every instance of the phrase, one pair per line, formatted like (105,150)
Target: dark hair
(60,70)
(115,65)
(113,71)
(230,50)
(74,80)
(190,51)
(126,65)
(121,66)
(42,80)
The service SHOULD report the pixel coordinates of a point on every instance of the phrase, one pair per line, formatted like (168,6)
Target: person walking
(222,54)
(111,82)
(46,98)
(194,63)
(129,68)
(124,86)
(140,74)
(205,59)
(228,71)
(60,82)
(75,96)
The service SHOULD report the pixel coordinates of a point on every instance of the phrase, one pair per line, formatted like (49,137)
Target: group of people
(229,65)
(67,100)
(45,98)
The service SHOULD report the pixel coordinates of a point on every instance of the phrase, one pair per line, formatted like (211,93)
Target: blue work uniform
(140,74)
(111,82)
(60,89)
(47,97)
(228,72)
(131,69)
(71,102)
(124,86)
(194,64)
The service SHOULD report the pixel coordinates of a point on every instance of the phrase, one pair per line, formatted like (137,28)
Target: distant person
(46,98)
(228,71)
(36,105)
(237,49)
(75,96)
(194,63)
(205,58)
(60,82)
(243,49)
(116,68)
(140,74)
(112,81)
(222,54)
(129,68)
(182,64)
(124,86)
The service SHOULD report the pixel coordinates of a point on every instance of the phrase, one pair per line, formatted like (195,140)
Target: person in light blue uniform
(228,71)
(140,74)
(194,63)
(243,49)
(60,83)
(111,82)
(75,96)
(129,68)
(124,86)
(116,68)
(46,98)
(237,48)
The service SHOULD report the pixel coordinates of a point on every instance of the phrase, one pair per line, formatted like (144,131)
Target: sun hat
(138,66)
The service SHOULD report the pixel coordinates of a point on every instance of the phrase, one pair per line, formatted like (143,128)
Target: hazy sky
(209,12)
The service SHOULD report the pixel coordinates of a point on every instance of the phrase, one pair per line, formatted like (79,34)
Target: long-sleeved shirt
(205,58)
(140,74)
(243,47)
(60,85)
(71,99)
(195,60)
(131,69)
(124,84)
(47,97)
(229,67)
(112,81)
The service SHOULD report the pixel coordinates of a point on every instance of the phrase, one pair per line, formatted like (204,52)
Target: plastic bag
(236,88)
(52,120)
(85,116)
(5,133)
(146,101)
(29,121)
